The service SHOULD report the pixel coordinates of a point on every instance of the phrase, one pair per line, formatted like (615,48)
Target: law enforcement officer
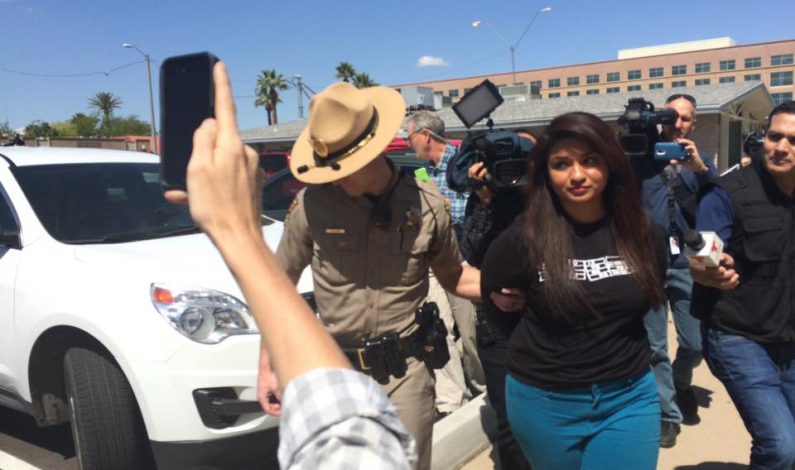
(370,233)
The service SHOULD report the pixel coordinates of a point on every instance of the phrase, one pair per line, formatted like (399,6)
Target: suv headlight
(203,315)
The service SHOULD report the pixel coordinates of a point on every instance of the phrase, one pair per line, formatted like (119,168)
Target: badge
(674,245)
(335,231)
(447,205)
(290,209)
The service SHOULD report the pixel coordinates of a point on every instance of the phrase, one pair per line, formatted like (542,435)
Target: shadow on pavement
(49,448)
(713,466)
(703,395)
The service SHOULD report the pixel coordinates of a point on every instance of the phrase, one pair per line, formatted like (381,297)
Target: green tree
(363,80)
(40,128)
(105,103)
(269,84)
(85,125)
(345,71)
(130,125)
(64,128)
(5,129)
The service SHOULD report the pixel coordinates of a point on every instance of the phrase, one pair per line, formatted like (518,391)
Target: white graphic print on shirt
(593,270)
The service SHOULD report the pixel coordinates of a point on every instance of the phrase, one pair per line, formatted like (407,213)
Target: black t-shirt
(550,352)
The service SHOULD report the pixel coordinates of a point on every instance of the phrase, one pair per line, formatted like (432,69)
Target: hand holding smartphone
(667,151)
(187,98)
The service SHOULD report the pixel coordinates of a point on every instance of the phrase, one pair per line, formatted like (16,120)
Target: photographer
(489,211)
(425,131)
(668,191)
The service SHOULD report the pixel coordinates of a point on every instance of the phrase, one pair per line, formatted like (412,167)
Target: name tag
(335,231)
(674,245)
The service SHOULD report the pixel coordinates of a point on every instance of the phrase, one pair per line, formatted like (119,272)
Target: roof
(27,156)
(711,99)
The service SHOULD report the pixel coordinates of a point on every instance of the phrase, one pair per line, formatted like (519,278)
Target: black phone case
(164,133)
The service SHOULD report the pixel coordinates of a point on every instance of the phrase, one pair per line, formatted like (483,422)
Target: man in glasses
(669,192)
(425,131)
(747,304)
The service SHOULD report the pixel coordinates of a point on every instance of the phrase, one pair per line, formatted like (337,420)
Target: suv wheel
(107,427)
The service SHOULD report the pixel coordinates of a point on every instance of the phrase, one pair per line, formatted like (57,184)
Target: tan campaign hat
(348,128)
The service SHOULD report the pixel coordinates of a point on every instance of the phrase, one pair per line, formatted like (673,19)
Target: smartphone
(186,99)
(665,151)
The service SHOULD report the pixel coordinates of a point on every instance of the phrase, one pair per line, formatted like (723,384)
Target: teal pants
(611,425)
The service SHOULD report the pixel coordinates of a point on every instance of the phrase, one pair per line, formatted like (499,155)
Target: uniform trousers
(462,376)
(412,396)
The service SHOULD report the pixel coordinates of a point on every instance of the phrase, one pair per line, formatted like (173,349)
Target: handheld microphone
(703,249)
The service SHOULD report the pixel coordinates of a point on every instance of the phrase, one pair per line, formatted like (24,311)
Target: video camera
(502,152)
(640,119)
(753,145)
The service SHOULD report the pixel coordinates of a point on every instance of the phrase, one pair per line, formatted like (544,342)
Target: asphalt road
(25,446)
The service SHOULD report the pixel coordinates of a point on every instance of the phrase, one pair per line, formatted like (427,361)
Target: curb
(462,435)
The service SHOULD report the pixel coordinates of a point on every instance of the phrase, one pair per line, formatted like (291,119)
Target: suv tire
(107,427)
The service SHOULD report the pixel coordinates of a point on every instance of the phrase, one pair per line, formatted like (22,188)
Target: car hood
(188,260)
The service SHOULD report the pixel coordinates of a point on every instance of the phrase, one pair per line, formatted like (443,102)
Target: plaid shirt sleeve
(458,201)
(341,419)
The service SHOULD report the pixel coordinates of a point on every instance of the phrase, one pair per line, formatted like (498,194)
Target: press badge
(674,245)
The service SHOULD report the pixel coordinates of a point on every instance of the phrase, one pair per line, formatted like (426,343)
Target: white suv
(118,316)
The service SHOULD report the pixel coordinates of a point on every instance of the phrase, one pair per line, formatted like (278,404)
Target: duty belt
(385,355)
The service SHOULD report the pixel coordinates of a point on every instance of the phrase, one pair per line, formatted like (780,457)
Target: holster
(433,336)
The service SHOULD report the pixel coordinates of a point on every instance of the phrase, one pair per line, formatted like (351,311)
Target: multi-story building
(698,63)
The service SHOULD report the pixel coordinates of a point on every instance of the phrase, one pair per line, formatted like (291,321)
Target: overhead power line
(70,75)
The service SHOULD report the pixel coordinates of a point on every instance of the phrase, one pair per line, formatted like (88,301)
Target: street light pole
(512,47)
(151,95)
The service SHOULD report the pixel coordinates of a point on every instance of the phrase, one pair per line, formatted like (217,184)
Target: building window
(752,62)
(726,79)
(633,75)
(591,92)
(554,95)
(633,88)
(703,67)
(573,93)
(573,81)
(753,77)
(783,59)
(536,84)
(678,83)
(727,65)
(679,70)
(702,81)
(553,83)
(655,86)
(466,90)
(613,89)
(613,76)
(655,72)
(591,79)
(452,93)
(438,93)
(779,98)
(781,78)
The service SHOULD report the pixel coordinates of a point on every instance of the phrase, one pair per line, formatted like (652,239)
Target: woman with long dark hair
(579,391)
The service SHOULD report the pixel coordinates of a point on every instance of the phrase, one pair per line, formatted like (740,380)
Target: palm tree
(363,80)
(269,84)
(345,71)
(105,102)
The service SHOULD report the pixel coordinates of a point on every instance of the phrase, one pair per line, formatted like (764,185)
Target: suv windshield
(102,202)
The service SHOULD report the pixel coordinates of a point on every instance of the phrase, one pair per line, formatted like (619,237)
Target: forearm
(285,321)
(462,281)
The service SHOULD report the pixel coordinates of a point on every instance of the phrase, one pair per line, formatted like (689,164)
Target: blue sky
(48,42)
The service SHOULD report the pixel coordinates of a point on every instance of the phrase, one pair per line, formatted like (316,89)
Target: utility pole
(300,87)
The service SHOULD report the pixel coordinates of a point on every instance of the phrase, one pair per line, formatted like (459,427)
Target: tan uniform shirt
(368,280)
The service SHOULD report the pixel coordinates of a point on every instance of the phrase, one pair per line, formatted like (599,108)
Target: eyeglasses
(430,132)
(681,96)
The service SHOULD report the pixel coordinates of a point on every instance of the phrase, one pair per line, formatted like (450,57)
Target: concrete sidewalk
(718,442)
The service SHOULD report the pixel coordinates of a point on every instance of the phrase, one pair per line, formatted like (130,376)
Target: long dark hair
(549,232)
